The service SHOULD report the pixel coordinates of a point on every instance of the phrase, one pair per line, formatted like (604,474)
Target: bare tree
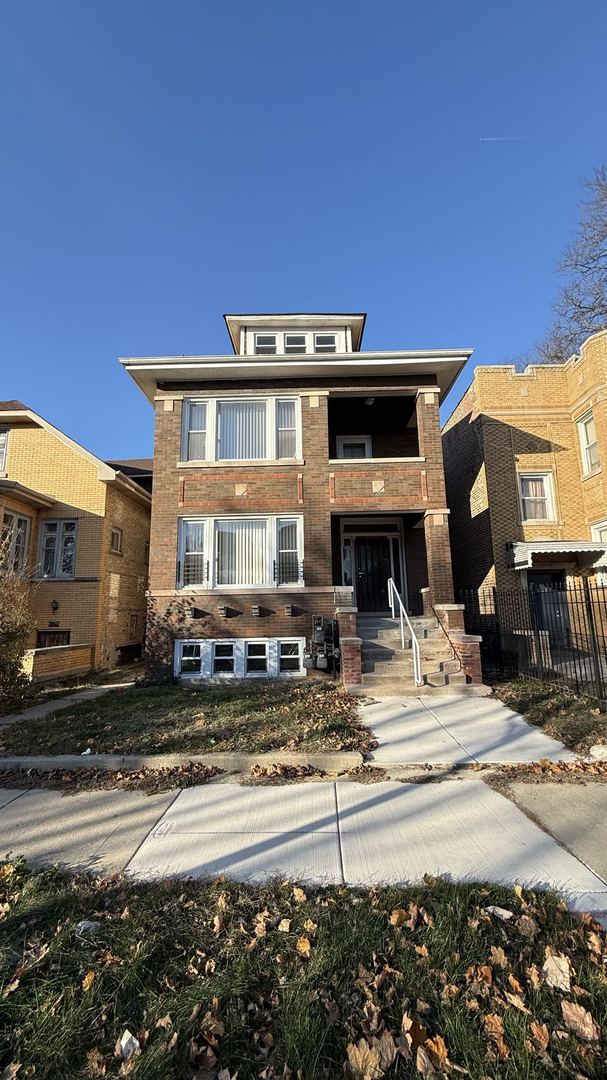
(16,624)
(581,306)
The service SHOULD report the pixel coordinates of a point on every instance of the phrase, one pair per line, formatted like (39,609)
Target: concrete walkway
(341,832)
(455,731)
(55,704)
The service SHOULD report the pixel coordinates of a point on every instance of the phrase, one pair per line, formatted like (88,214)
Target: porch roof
(525,555)
(12,488)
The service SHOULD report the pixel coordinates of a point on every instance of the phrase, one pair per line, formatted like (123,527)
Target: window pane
(190,658)
(593,457)
(295,343)
(533,487)
(289,656)
(286,429)
(197,426)
(257,660)
(324,342)
(68,544)
(3,445)
(590,430)
(49,549)
(20,548)
(241,549)
(223,659)
(354,450)
(194,562)
(241,430)
(288,555)
(534,509)
(265,344)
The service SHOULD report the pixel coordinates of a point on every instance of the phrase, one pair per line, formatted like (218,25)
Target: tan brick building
(292,480)
(525,465)
(78,528)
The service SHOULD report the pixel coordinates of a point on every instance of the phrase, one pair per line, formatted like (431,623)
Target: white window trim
(547,476)
(211,429)
(587,468)
(3,450)
(16,516)
(210,547)
(366,439)
(115,529)
(60,523)
(338,332)
(207,653)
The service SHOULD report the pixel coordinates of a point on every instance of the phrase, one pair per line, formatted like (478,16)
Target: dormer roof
(297,320)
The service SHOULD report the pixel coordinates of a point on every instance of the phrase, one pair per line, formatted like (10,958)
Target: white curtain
(241,430)
(534,496)
(285,426)
(242,552)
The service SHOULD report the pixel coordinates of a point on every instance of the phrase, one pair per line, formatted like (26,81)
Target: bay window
(58,549)
(241,429)
(248,552)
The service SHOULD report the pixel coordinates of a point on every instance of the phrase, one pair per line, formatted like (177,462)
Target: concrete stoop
(387,667)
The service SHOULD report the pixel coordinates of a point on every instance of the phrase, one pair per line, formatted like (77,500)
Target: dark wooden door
(373,568)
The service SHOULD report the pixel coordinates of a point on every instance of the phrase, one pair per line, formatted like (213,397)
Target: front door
(373,567)
(549,604)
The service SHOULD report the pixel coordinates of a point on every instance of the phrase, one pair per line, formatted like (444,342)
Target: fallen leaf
(165,1023)
(515,984)
(310,926)
(423,1063)
(516,1001)
(299,895)
(95,1063)
(87,981)
(533,977)
(398,917)
(527,926)
(363,1061)
(556,970)
(498,956)
(386,1049)
(437,1050)
(500,913)
(303,946)
(494,1028)
(580,1021)
(284,926)
(127,1046)
(11,1071)
(414,1032)
(540,1036)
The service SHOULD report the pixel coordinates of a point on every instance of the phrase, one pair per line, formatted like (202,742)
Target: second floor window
(58,549)
(3,450)
(588,444)
(116,540)
(536,497)
(15,537)
(240,551)
(241,429)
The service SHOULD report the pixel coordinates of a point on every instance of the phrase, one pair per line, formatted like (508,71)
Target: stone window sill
(249,463)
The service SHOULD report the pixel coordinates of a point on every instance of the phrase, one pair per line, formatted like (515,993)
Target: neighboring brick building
(525,460)
(292,479)
(78,527)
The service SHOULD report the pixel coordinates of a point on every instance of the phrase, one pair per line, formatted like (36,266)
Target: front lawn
(576,722)
(174,981)
(250,717)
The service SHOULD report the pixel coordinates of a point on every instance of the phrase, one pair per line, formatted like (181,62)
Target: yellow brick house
(78,529)
(526,474)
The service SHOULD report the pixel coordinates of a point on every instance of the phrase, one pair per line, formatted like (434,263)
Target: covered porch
(368,549)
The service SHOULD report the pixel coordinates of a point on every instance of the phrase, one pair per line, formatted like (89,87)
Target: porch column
(438,556)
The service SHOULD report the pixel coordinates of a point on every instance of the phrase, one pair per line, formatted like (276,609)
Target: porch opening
(369,549)
(375,426)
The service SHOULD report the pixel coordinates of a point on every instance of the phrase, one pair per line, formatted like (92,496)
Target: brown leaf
(299,895)
(303,946)
(494,1028)
(540,1036)
(386,1048)
(284,926)
(437,1049)
(310,926)
(10,1072)
(515,984)
(423,1063)
(533,977)
(527,926)
(498,956)
(516,1001)
(165,1023)
(414,1031)
(87,982)
(363,1061)
(95,1063)
(398,917)
(422,950)
(580,1021)
(556,970)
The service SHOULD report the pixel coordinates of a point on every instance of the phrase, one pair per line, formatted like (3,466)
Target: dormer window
(295,343)
(265,344)
(324,343)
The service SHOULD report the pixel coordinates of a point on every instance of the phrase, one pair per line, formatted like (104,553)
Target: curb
(338,762)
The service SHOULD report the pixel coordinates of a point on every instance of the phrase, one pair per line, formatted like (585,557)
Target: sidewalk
(55,704)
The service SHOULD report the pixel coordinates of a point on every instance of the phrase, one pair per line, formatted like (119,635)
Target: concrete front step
(398,688)
(392,637)
(429,649)
(431,678)
(385,668)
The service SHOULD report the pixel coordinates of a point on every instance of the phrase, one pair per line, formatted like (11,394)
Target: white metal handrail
(393,596)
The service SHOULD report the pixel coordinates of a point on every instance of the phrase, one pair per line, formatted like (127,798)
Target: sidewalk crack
(449,733)
(339,847)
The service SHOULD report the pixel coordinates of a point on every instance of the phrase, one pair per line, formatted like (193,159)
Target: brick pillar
(351,673)
(467,647)
(438,556)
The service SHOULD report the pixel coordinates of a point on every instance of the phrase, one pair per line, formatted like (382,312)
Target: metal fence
(552,633)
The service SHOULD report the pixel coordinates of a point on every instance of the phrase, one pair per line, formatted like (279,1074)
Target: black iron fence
(552,633)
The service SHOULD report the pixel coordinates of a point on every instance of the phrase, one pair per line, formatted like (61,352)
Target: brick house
(293,479)
(78,528)
(525,459)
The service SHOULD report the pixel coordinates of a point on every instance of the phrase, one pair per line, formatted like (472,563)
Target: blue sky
(163,163)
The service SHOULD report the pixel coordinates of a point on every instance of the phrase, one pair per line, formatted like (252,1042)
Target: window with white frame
(265,344)
(58,549)
(241,429)
(588,444)
(325,343)
(240,551)
(240,658)
(3,450)
(15,539)
(354,446)
(116,540)
(537,501)
(297,342)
